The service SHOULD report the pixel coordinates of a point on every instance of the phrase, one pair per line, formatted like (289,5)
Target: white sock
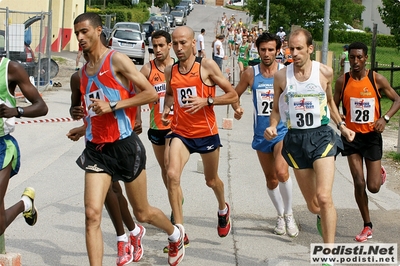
(276,199)
(286,192)
(175,235)
(123,237)
(27,203)
(135,231)
(224,211)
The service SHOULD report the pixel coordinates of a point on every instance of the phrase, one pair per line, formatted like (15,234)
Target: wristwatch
(113,105)
(386,118)
(341,123)
(20,111)
(210,101)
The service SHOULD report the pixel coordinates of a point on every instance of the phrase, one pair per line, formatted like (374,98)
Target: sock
(175,235)
(286,192)
(223,212)
(368,224)
(27,203)
(123,237)
(135,231)
(276,198)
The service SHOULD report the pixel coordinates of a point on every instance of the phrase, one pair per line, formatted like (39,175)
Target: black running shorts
(157,137)
(301,147)
(123,159)
(368,145)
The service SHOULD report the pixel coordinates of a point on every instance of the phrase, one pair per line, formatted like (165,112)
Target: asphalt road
(48,165)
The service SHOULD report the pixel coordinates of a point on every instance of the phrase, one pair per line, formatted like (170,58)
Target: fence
(25,37)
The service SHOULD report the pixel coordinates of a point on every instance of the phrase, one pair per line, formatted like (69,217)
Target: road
(48,165)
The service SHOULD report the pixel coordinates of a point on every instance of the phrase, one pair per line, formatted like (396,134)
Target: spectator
(219,53)
(200,44)
(344,60)
(281,33)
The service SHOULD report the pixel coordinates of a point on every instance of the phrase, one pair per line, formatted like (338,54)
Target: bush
(138,13)
(341,36)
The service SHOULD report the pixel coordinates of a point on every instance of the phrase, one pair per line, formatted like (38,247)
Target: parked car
(182,8)
(129,25)
(145,28)
(189,3)
(172,21)
(163,19)
(180,17)
(129,42)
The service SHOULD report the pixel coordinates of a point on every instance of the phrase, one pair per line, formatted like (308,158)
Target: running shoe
(291,226)
(319,226)
(31,214)
(224,223)
(125,253)
(364,235)
(136,242)
(185,242)
(280,227)
(383,174)
(176,250)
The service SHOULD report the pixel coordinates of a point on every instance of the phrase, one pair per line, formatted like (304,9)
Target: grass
(59,60)
(393,155)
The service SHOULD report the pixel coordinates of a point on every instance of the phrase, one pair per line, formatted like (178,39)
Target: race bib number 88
(184,93)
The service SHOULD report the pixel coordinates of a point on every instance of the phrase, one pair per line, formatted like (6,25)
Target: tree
(389,13)
(308,13)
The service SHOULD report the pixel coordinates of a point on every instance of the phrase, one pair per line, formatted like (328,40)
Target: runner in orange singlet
(191,89)
(360,92)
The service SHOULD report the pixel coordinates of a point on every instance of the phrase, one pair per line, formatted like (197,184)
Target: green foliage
(390,11)
(138,13)
(342,36)
(286,13)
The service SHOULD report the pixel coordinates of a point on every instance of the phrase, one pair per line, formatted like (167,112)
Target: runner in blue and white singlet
(263,97)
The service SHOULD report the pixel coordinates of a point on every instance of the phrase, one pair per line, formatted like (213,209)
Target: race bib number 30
(362,110)
(184,93)
(97,94)
(304,112)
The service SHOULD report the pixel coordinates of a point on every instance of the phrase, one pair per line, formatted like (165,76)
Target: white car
(129,42)
(350,28)
(180,17)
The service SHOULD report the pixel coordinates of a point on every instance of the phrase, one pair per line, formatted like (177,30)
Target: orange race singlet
(361,103)
(203,122)
(157,79)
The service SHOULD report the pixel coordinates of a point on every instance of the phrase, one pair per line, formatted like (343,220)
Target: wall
(371,15)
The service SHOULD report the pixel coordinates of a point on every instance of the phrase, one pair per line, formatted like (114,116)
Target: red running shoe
(125,253)
(224,223)
(136,242)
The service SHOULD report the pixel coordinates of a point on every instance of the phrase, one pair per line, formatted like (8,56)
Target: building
(371,16)
(63,15)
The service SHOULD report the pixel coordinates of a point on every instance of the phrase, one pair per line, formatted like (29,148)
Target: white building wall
(371,16)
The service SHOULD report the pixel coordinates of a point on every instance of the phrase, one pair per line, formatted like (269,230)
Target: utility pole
(267,17)
(325,39)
